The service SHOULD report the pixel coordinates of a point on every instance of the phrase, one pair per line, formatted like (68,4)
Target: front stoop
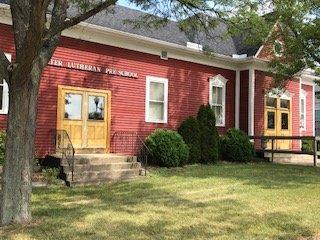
(295,159)
(101,168)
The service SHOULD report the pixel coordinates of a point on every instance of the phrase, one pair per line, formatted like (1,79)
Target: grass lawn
(224,201)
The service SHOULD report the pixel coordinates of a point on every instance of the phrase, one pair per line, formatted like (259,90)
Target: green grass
(224,201)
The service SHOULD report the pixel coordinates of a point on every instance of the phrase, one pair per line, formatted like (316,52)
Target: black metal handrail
(265,139)
(128,142)
(63,145)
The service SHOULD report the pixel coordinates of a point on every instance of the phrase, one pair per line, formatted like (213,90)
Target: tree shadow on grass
(162,206)
(264,175)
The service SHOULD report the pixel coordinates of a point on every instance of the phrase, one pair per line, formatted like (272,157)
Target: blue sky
(127,4)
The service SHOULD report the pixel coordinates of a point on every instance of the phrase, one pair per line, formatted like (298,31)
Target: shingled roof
(118,18)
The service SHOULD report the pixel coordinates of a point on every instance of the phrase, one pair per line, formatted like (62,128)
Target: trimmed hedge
(209,137)
(236,146)
(190,131)
(167,148)
(307,145)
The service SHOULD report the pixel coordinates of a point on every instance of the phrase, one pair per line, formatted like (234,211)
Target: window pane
(73,106)
(284,103)
(156,111)
(96,108)
(1,97)
(285,121)
(214,95)
(156,91)
(219,93)
(271,102)
(302,106)
(218,114)
(271,120)
(317,115)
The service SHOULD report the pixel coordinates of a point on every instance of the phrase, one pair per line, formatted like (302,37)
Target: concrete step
(101,182)
(296,159)
(102,167)
(106,176)
(96,159)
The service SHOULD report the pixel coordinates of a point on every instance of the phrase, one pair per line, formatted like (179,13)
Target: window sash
(156,103)
(5,93)
(217,98)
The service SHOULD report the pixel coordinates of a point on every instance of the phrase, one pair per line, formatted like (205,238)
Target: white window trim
(304,97)
(150,79)
(219,81)
(5,94)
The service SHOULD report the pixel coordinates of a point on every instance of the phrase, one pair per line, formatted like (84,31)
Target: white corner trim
(303,96)
(314,111)
(219,81)
(150,79)
(251,101)
(237,101)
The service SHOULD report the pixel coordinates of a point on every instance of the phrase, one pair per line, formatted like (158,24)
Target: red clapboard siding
(188,86)
(309,131)
(262,83)
(244,95)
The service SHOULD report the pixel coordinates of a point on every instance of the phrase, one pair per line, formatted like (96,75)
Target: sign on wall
(92,68)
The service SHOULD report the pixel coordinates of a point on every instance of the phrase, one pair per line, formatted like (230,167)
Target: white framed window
(4,93)
(217,98)
(303,106)
(156,100)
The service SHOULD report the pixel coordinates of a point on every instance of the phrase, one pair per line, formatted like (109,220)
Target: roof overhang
(106,36)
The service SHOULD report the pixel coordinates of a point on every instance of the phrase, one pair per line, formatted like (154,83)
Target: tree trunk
(16,185)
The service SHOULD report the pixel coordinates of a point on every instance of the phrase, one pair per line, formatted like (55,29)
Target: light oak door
(85,115)
(278,121)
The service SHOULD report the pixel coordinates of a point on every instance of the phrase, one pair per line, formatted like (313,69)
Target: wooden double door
(278,121)
(85,115)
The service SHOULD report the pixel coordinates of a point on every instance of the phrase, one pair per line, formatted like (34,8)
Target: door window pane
(96,108)
(284,121)
(156,111)
(156,91)
(271,102)
(284,103)
(73,106)
(271,120)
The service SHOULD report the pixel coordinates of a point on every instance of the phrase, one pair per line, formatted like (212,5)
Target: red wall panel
(188,86)
(244,94)
(309,113)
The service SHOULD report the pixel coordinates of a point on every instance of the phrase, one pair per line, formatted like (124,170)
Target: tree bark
(16,185)
(35,45)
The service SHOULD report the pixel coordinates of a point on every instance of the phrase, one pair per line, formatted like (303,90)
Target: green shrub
(307,145)
(167,148)
(51,175)
(236,146)
(209,137)
(2,146)
(190,131)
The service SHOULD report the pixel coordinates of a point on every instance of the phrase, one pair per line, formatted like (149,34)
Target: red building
(107,77)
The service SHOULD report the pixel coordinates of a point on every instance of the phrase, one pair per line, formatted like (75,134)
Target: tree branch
(67,23)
